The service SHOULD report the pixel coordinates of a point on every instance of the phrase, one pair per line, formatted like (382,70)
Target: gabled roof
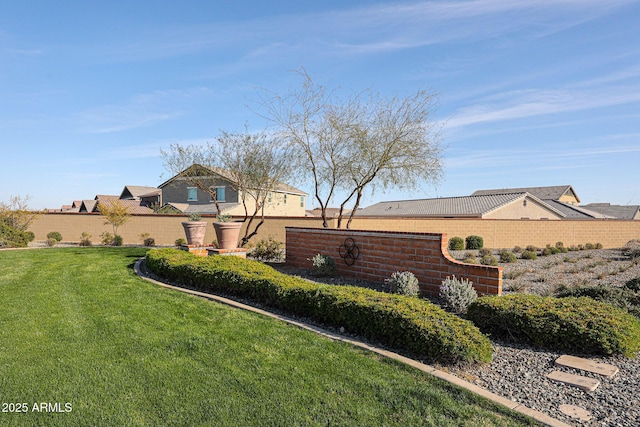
(576,212)
(542,193)
(105,197)
(88,205)
(135,191)
(465,206)
(227,176)
(615,211)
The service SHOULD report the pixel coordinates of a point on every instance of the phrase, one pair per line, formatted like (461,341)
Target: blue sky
(531,92)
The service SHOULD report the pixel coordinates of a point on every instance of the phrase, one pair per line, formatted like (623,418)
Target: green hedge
(13,238)
(412,325)
(579,325)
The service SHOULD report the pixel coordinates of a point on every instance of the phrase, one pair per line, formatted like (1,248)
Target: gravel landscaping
(519,372)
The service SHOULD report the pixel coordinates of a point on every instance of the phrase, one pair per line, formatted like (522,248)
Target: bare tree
(253,164)
(357,144)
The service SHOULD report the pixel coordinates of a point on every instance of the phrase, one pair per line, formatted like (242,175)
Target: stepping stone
(585,383)
(587,365)
(575,412)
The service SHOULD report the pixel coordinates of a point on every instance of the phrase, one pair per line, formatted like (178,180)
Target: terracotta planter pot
(195,231)
(227,234)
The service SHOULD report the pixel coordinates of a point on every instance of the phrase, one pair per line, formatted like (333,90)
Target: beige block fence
(497,233)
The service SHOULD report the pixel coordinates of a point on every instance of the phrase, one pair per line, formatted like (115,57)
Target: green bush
(578,325)
(149,241)
(117,240)
(179,242)
(268,250)
(470,258)
(489,260)
(625,297)
(404,283)
(456,244)
(529,255)
(412,325)
(589,246)
(85,239)
(457,294)
(485,252)
(11,237)
(507,256)
(474,242)
(633,284)
(51,242)
(323,266)
(531,248)
(54,235)
(517,249)
(106,238)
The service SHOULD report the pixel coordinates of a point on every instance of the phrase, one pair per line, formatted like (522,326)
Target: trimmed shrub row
(413,325)
(579,325)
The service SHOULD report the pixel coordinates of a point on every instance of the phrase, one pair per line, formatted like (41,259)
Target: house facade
(181,195)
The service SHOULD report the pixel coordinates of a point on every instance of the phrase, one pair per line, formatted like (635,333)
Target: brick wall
(382,253)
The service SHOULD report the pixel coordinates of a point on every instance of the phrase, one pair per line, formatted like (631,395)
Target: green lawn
(78,327)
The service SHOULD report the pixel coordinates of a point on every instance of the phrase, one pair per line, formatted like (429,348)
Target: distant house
(180,195)
(494,206)
(133,206)
(559,193)
(616,211)
(135,192)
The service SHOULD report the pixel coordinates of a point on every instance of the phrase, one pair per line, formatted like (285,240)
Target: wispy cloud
(366,30)
(139,111)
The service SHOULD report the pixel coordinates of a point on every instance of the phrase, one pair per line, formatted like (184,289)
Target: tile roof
(616,211)
(575,212)
(136,191)
(542,193)
(464,206)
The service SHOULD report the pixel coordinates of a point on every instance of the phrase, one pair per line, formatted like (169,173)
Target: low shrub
(507,256)
(633,284)
(589,246)
(456,244)
(485,252)
(632,249)
(474,242)
(489,260)
(412,325)
(517,249)
(323,266)
(55,236)
(117,240)
(51,242)
(404,283)
(470,258)
(624,297)
(106,238)
(149,241)
(179,242)
(529,255)
(11,237)
(85,239)
(457,294)
(267,250)
(578,325)
(531,248)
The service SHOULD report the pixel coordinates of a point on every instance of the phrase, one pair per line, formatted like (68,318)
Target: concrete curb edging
(515,406)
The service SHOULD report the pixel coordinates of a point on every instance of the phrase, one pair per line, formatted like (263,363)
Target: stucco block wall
(383,253)
(502,233)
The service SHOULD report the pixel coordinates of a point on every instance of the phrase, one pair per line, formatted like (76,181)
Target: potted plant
(227,232)
(195,229)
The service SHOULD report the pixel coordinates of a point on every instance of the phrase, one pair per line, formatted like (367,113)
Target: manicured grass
(77,326)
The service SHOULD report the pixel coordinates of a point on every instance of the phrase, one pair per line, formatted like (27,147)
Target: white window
(192,194)
(220,193)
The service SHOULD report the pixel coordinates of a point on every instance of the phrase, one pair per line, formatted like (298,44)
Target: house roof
(227,176)
(464,206)
(615,211)
(330,212)
(135,191)
(576,212)
(542,193)
(153,193)
(88,205)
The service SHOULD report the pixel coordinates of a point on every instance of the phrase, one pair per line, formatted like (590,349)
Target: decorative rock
(575,412)
(579,381)
(587,365)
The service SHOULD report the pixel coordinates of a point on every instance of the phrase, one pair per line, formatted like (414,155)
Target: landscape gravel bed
(518,372)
